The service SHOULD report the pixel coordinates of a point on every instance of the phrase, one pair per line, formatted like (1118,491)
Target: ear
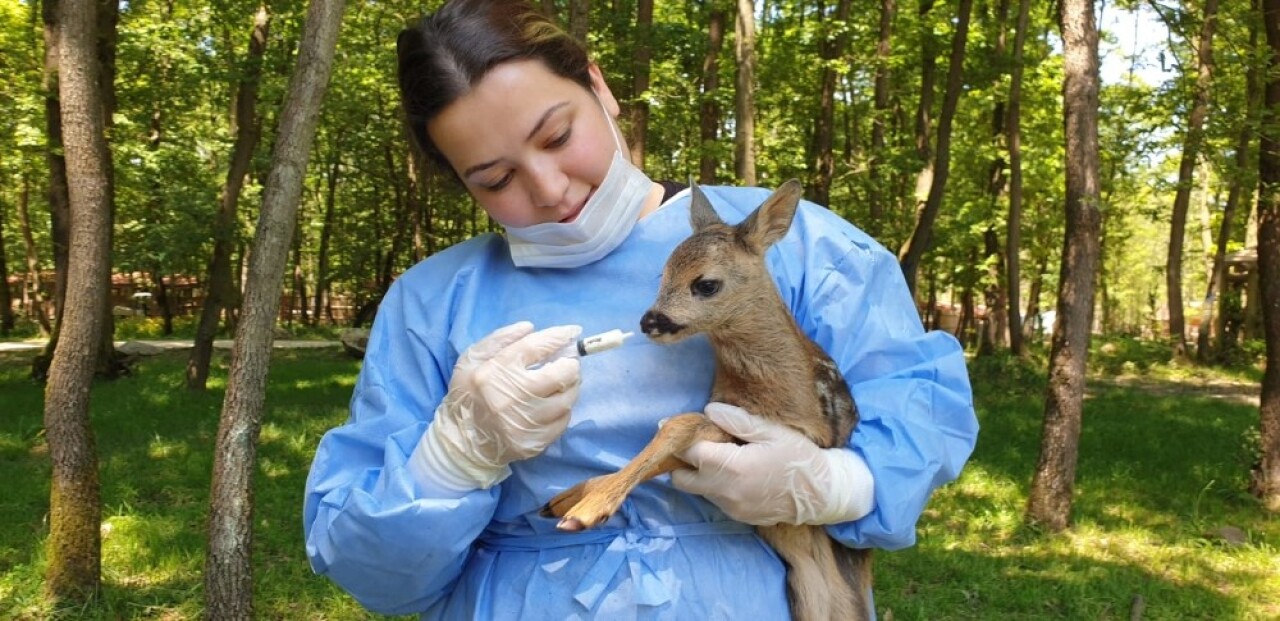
(701,213)
(602,91)
(771,220)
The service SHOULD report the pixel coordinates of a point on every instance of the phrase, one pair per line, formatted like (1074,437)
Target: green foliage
(178,66)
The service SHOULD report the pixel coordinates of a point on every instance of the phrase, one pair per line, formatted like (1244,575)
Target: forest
(1045,172)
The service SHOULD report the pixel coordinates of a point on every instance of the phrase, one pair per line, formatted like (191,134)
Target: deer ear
(771,220)
(701,213)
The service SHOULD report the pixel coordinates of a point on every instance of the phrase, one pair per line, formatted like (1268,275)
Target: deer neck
(761,345)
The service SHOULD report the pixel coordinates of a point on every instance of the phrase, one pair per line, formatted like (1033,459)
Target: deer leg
(591,502)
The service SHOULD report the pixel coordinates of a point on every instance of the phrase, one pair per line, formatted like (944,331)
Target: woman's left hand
(778,476)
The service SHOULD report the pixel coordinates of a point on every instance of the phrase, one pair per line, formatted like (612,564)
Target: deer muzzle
(655,324)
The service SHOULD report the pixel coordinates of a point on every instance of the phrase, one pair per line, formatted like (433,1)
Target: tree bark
(75,508)
(1186,179)
(1267,477)
(709,110)
(744,99)
(830,49)
(1049,502)
(878,197)
(1013,229)
(228,572)
(640,61)
(220,289)
(913,251)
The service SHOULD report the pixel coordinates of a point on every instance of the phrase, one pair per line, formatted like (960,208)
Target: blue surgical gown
(399,544)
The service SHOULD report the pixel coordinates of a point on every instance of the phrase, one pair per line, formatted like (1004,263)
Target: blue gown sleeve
(917,426)
(385,536)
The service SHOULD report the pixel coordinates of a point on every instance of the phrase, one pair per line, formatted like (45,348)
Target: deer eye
(704,287)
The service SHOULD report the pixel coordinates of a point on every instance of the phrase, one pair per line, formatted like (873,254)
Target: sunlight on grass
(140,551)
(272,468)
(160,449)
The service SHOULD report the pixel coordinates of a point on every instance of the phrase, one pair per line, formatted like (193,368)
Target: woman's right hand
(498,410)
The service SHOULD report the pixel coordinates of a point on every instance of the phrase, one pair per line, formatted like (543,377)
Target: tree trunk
(744,98)
(163,304)
(928,90)
(228,571)
(155,202)
(1242,179)
(580,20)
(640,60)
(75,508)
(1049,502)
(110,363)
(709,110)
(994,325)
(6,298)
(1186,179)
(298,307)
(59,209)
(1267,477)
(220,290)
(830,49)
(1013,234)
(913,251)
(1032,324)
(326,229)
(35,282)
(878,197)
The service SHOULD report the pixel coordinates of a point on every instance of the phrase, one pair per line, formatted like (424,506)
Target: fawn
(716,282)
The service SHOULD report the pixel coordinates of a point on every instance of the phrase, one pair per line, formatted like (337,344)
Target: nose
(547,183)
(656,323)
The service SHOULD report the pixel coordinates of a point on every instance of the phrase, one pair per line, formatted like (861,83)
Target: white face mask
(604,223)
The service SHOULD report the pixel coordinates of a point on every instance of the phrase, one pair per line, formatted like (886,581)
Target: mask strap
(613,129)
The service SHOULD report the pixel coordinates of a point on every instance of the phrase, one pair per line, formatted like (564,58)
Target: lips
(573,215)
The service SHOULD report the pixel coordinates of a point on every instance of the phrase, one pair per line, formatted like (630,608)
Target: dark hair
(449,51)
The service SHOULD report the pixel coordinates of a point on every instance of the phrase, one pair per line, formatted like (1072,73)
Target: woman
(461,427)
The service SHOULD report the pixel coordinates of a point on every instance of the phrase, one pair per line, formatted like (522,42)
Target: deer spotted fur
(716,283)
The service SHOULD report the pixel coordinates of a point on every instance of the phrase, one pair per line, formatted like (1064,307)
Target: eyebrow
(536,128)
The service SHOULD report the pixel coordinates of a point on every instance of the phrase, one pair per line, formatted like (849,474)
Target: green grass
(1162,466)
(1160,470)
(155,441)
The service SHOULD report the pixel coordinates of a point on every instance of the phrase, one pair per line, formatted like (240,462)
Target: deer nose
(655,323)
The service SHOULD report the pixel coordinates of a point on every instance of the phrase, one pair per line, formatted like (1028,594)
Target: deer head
(718,274)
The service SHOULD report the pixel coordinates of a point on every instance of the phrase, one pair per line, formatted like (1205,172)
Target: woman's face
(530,145)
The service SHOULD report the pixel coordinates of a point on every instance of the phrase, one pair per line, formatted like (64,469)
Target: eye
(497,185)
(704,287)
(560,140)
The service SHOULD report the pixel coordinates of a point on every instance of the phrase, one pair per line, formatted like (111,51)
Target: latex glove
(497,409)
(779,476)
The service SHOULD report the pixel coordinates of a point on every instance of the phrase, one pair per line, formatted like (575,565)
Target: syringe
(586,346)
